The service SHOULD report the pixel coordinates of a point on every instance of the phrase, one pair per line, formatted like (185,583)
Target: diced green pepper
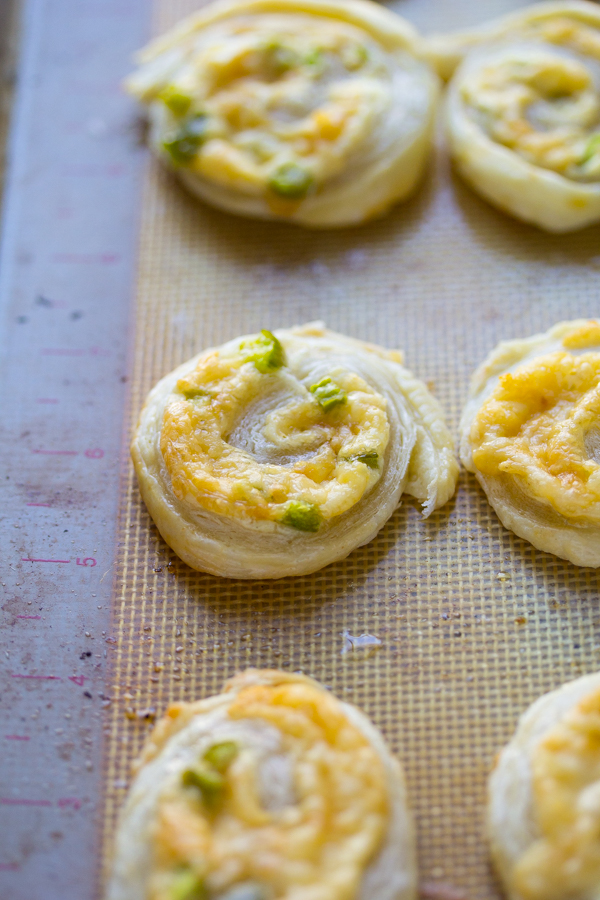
(178,102)
(291,181)
(183,144)
(370,458)
(303,516)
(314,57)
(355,57)
(186,885)
(220,756)
(328,394)
(207,780)
(249,890)
(592,147)
(280,58)
(265,352)
(194,393)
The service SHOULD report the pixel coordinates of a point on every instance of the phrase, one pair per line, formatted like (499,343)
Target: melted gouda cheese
(319,449)
(534,425)
(564,863)
(319,846)
(542,103)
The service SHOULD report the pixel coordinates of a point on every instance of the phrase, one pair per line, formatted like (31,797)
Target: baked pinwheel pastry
(313,111)
(531,434)
(273,790)
(277,454)
(523,112)
(544,798)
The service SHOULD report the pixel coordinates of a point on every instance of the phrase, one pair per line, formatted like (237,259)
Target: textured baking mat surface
(473,622)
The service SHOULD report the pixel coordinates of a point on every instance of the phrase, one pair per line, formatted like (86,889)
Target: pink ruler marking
(11,801)
(29,559)
(29,617)
(38,504)
(17,737)
(57,452)
(39,677)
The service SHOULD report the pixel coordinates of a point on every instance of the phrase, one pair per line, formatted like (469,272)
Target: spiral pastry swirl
(544,798)
(312,111)
(523,112)
(273,790)
(277,454)
(531,434)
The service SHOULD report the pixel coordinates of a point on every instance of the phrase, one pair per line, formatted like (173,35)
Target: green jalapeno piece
(370,458)
(592,147)
(291,181)
(186,885)
(194,393)
(265,352)
(280,57)
(183,144)
(302,515)
(328,394)
(207,780)
(178,102)
(220,756)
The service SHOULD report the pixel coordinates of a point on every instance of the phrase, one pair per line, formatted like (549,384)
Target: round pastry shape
(523,113)
(277,454)
(531,434)
(544,798)
(312,111)
(272,790)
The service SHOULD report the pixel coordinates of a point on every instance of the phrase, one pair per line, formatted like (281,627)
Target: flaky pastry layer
(530,434)
(273,790)
(523,112)
(544,798)
(311,111)
(277,454)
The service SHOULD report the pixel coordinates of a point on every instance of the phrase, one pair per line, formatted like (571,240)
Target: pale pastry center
(275,105)
(315,847)
(543,103)
(534,426)
(565,861)
(308,451)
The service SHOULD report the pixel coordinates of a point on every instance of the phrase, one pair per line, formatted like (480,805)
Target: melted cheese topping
(544,103)
(280,94)
(564,863)
(316,848)
(315,452)
(535,423)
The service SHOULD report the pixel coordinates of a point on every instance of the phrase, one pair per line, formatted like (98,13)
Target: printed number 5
(94,454)
(88,561)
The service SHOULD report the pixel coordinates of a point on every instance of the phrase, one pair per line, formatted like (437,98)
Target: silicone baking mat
(473,623)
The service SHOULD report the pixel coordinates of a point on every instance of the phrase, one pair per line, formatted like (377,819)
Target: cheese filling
(222,842)
(564,863)
(543,100)
(244,437)
(540,425)
(274,105)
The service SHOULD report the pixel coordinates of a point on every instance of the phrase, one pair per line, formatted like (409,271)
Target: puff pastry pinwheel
(544,798)
(273,790)
(531,434)
(277,454)
(312,111)
(523,112)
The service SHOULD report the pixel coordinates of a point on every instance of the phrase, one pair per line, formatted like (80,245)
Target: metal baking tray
(473,623)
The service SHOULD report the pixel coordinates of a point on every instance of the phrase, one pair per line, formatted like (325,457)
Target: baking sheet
(473,622)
